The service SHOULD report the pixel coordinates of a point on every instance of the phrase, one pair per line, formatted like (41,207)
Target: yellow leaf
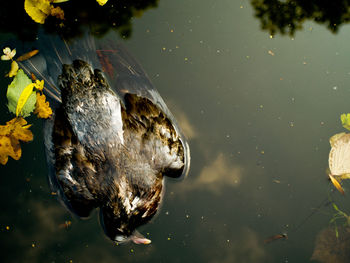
(336,184)
(28,55)
(343,177)
(102,2)
(27,91)
(38,10)
(59,1)
(14,69)
(39,85)
(10,135)
(42,107)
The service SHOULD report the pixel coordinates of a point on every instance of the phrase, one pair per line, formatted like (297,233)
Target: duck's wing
(123,73)
(126,76)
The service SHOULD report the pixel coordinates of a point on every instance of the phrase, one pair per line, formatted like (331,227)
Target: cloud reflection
(43,232)
(215,176)
(43,240)
(186,126)
(184,122)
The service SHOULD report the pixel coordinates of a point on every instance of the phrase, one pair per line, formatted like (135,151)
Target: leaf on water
(42,108)
(10,134)
(344,176)
(336,185)
(102,2)
(8,53)
(14,91)
(38,10)
(335,138)
(57,12)
(23,98)
(339,157)
(14,69)
(28,55)
(345,120)
(59,1)
(39,85)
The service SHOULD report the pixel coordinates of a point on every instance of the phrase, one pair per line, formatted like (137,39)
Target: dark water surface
(258,112)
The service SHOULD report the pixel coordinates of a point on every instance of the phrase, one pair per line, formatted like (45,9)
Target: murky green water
(258,112)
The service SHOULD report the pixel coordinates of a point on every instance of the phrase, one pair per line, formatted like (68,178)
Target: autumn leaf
(102,2)
(14,69)
(11,134)
(59,1)
(57,12)
(23,98)
(39,85)
(38,10)
(16,92)
(336,184)
(42,108)
(27,55)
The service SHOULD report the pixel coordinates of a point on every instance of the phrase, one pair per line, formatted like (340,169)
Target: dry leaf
(42,107)
(10,135)
(57,12)
(336,184)
(339,155)
(28,55)
(39,85)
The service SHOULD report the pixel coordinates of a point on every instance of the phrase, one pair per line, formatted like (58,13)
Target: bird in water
(111,139)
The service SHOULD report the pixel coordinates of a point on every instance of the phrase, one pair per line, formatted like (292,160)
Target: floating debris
(275,237)
(66,224)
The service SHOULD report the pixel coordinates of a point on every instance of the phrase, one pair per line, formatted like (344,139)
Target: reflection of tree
(115,14)
(288,16)
(329,248)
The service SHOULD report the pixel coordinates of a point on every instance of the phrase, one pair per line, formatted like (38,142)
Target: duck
(111,140)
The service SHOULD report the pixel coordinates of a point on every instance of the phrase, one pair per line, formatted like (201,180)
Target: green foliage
(14,91)
(339,215)
(345,120)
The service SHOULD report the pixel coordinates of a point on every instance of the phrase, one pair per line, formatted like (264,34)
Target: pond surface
(258,112)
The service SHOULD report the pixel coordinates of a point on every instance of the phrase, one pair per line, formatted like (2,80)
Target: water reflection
(230,75)
(329,248)
(244,245)
(215,176)
(288,16)
(117,14)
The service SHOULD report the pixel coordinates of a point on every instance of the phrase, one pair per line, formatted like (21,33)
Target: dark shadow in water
(115,14)
(288,16)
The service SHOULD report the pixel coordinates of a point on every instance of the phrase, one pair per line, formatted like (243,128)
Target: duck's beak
(138,238)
